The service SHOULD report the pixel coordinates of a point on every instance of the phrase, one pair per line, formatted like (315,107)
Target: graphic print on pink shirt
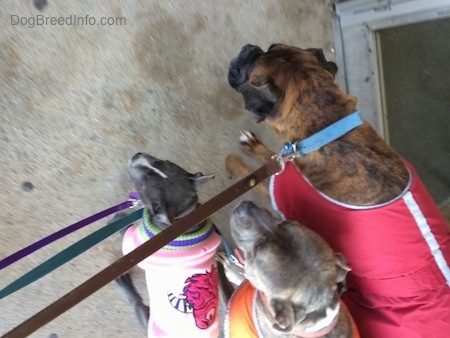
(200,296)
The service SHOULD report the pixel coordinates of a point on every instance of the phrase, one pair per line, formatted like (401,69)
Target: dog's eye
(156,207)
(259,244)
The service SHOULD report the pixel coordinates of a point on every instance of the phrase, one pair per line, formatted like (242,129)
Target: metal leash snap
(134,200)
(281,161)
(134,203)
(288,154)
(236,261)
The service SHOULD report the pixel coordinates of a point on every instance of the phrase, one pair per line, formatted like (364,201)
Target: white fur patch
(162,218)
(145,163)
(245,136)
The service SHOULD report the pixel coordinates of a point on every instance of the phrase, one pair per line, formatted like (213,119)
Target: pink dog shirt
(399,252)
(181,281)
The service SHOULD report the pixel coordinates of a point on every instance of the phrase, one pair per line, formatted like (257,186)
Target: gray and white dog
(182,278)
(293,277)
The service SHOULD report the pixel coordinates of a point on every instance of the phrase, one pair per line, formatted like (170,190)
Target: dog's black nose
(135,156)
(244,207)
(248,49)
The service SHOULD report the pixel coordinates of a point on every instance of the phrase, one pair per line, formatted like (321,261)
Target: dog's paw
(248,139)
(246,136)
(249,142)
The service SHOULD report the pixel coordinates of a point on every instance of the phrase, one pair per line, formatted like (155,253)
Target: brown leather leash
(125,263)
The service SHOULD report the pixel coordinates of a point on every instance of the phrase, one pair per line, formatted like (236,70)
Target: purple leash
(134,199)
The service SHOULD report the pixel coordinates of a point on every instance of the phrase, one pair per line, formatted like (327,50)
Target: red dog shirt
(399,252)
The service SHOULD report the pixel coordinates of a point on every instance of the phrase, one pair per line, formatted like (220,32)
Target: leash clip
(288,154)
(134,203)
(134,200)
(279,158)
(235,261)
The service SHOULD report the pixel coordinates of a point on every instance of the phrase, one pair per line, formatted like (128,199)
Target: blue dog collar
(323,137)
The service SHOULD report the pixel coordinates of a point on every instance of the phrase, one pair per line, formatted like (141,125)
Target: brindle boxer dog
(293,274)
(356,192)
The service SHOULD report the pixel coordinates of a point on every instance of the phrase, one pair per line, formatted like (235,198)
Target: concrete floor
(77,101)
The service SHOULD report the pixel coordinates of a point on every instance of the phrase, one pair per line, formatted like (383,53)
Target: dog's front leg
(235,165)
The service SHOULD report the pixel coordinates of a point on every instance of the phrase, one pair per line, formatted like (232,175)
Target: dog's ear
(331,67)
(260,100)
(284,315)
(199,179)
(342,267)
(328,65)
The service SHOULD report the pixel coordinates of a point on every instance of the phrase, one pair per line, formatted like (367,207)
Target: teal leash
(71,252)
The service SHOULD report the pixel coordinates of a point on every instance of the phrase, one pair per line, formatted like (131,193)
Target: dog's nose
(248,49)
(238,70)
(241,217)
(136,156)
(243,208)
(247,204)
